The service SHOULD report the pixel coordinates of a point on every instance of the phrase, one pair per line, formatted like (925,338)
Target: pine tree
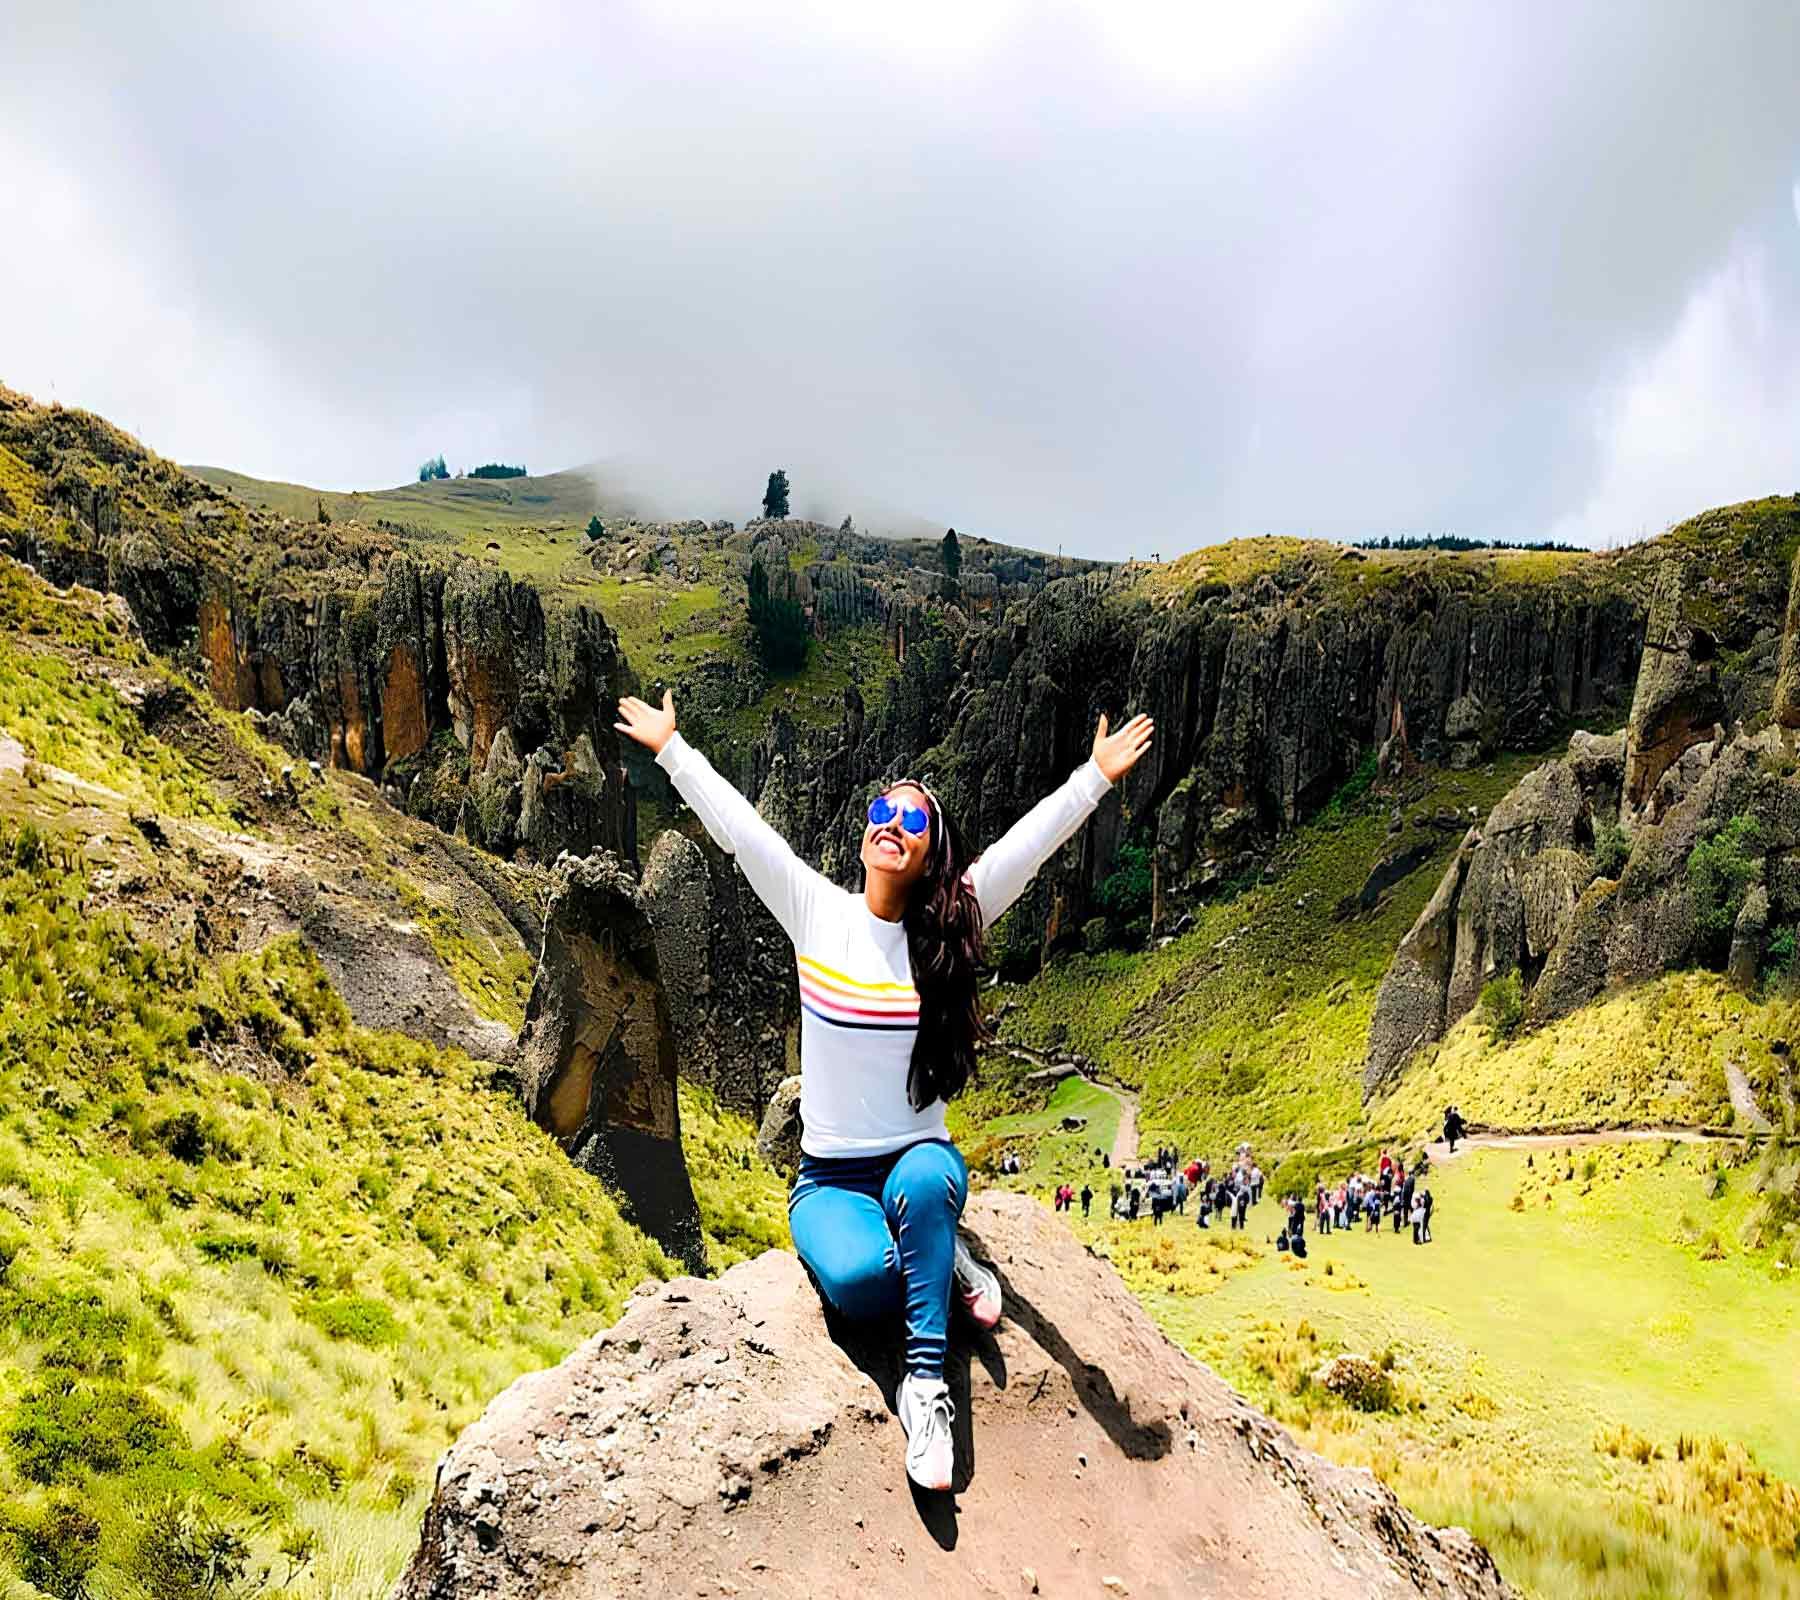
(775,497)
(952,557)
(596,529)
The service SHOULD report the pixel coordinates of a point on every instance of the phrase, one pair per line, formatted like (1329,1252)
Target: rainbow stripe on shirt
(847,1002)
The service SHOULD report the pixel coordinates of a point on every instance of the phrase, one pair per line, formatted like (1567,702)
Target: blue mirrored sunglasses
(914,819)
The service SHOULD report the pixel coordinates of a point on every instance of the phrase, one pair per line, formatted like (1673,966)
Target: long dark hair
(944,939)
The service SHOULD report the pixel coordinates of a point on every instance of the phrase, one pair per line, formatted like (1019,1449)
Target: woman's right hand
(647,724)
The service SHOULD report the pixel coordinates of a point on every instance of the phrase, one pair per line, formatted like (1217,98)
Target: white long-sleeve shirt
(859,1011)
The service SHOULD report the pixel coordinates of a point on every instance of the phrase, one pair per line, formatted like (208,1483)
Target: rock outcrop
(596,1060)
(728,971)
(1525,892)
(718,1441)
(1267,694)
(1678,701)
(353,647)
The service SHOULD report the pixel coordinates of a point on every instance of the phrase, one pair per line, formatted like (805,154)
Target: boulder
(724,1438)
(778,1140)
(728,972)
(595,1063)
(1409,1007)
(1747,935)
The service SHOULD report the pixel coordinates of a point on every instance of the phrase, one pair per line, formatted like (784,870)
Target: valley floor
(1590,1372)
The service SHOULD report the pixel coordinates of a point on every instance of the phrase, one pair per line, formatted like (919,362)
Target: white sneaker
(926,1412)
(978,1288)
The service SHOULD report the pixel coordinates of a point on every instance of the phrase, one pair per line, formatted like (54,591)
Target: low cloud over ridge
(1123,278)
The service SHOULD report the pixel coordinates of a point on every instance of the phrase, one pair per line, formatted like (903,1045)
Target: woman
(889,1025)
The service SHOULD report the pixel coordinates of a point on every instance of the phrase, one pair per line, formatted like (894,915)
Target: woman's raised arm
(1001,873)
(783,882)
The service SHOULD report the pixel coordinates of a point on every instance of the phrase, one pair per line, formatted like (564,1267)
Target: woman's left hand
(1115,754)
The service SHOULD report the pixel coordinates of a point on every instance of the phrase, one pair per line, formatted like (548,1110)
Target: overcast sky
(1124,277)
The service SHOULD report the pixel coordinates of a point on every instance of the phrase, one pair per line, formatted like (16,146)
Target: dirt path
(1548,1141)
(1125,1141)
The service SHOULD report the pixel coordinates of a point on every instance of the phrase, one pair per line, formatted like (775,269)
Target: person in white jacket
(889,1026)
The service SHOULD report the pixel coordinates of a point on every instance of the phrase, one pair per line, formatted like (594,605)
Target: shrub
(1778,955)
(65,1427)
(1352,792)
(1126,891)
(182,1552)
(58,1549)
(1612,849)
(1720,870)
(182,1136)
(364,1322)
(1503,1006)
(1362,1384)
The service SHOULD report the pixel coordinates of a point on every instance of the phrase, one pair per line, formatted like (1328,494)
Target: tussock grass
(272,1261)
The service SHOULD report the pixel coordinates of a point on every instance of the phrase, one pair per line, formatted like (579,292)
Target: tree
(775,497)
(596,529)
(497,469)
(952,556)
(324,515)
(846,526)
(433,469)
(779,623)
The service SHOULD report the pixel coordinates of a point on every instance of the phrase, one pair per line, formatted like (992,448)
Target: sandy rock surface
(719,1441)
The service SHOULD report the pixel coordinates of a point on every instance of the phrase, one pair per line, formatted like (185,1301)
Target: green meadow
(1591,1369)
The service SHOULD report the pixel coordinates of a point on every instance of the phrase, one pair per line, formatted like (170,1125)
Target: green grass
(462,507)
(289,1258)
(1049,1154)
(1652,1054)
(1595,1383)
(491,967)
(743,1203)
(79,723)
(1254,1024)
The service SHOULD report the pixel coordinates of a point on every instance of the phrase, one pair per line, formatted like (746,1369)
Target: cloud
(1710,417)
(1121,276)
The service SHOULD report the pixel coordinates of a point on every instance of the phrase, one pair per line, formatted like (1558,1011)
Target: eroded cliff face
(352,647)
(1707,747)
(1267,693)
(596,1062)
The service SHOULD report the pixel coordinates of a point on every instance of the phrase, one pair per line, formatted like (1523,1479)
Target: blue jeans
(879,1232)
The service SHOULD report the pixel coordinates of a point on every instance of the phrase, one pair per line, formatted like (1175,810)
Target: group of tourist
(1163,1185)
(1391,1193)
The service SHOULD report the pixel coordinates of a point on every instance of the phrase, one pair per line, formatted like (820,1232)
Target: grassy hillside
(258,1265)
(1253,1024)
(450,505)
(1656,1053)
(1585,1366)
